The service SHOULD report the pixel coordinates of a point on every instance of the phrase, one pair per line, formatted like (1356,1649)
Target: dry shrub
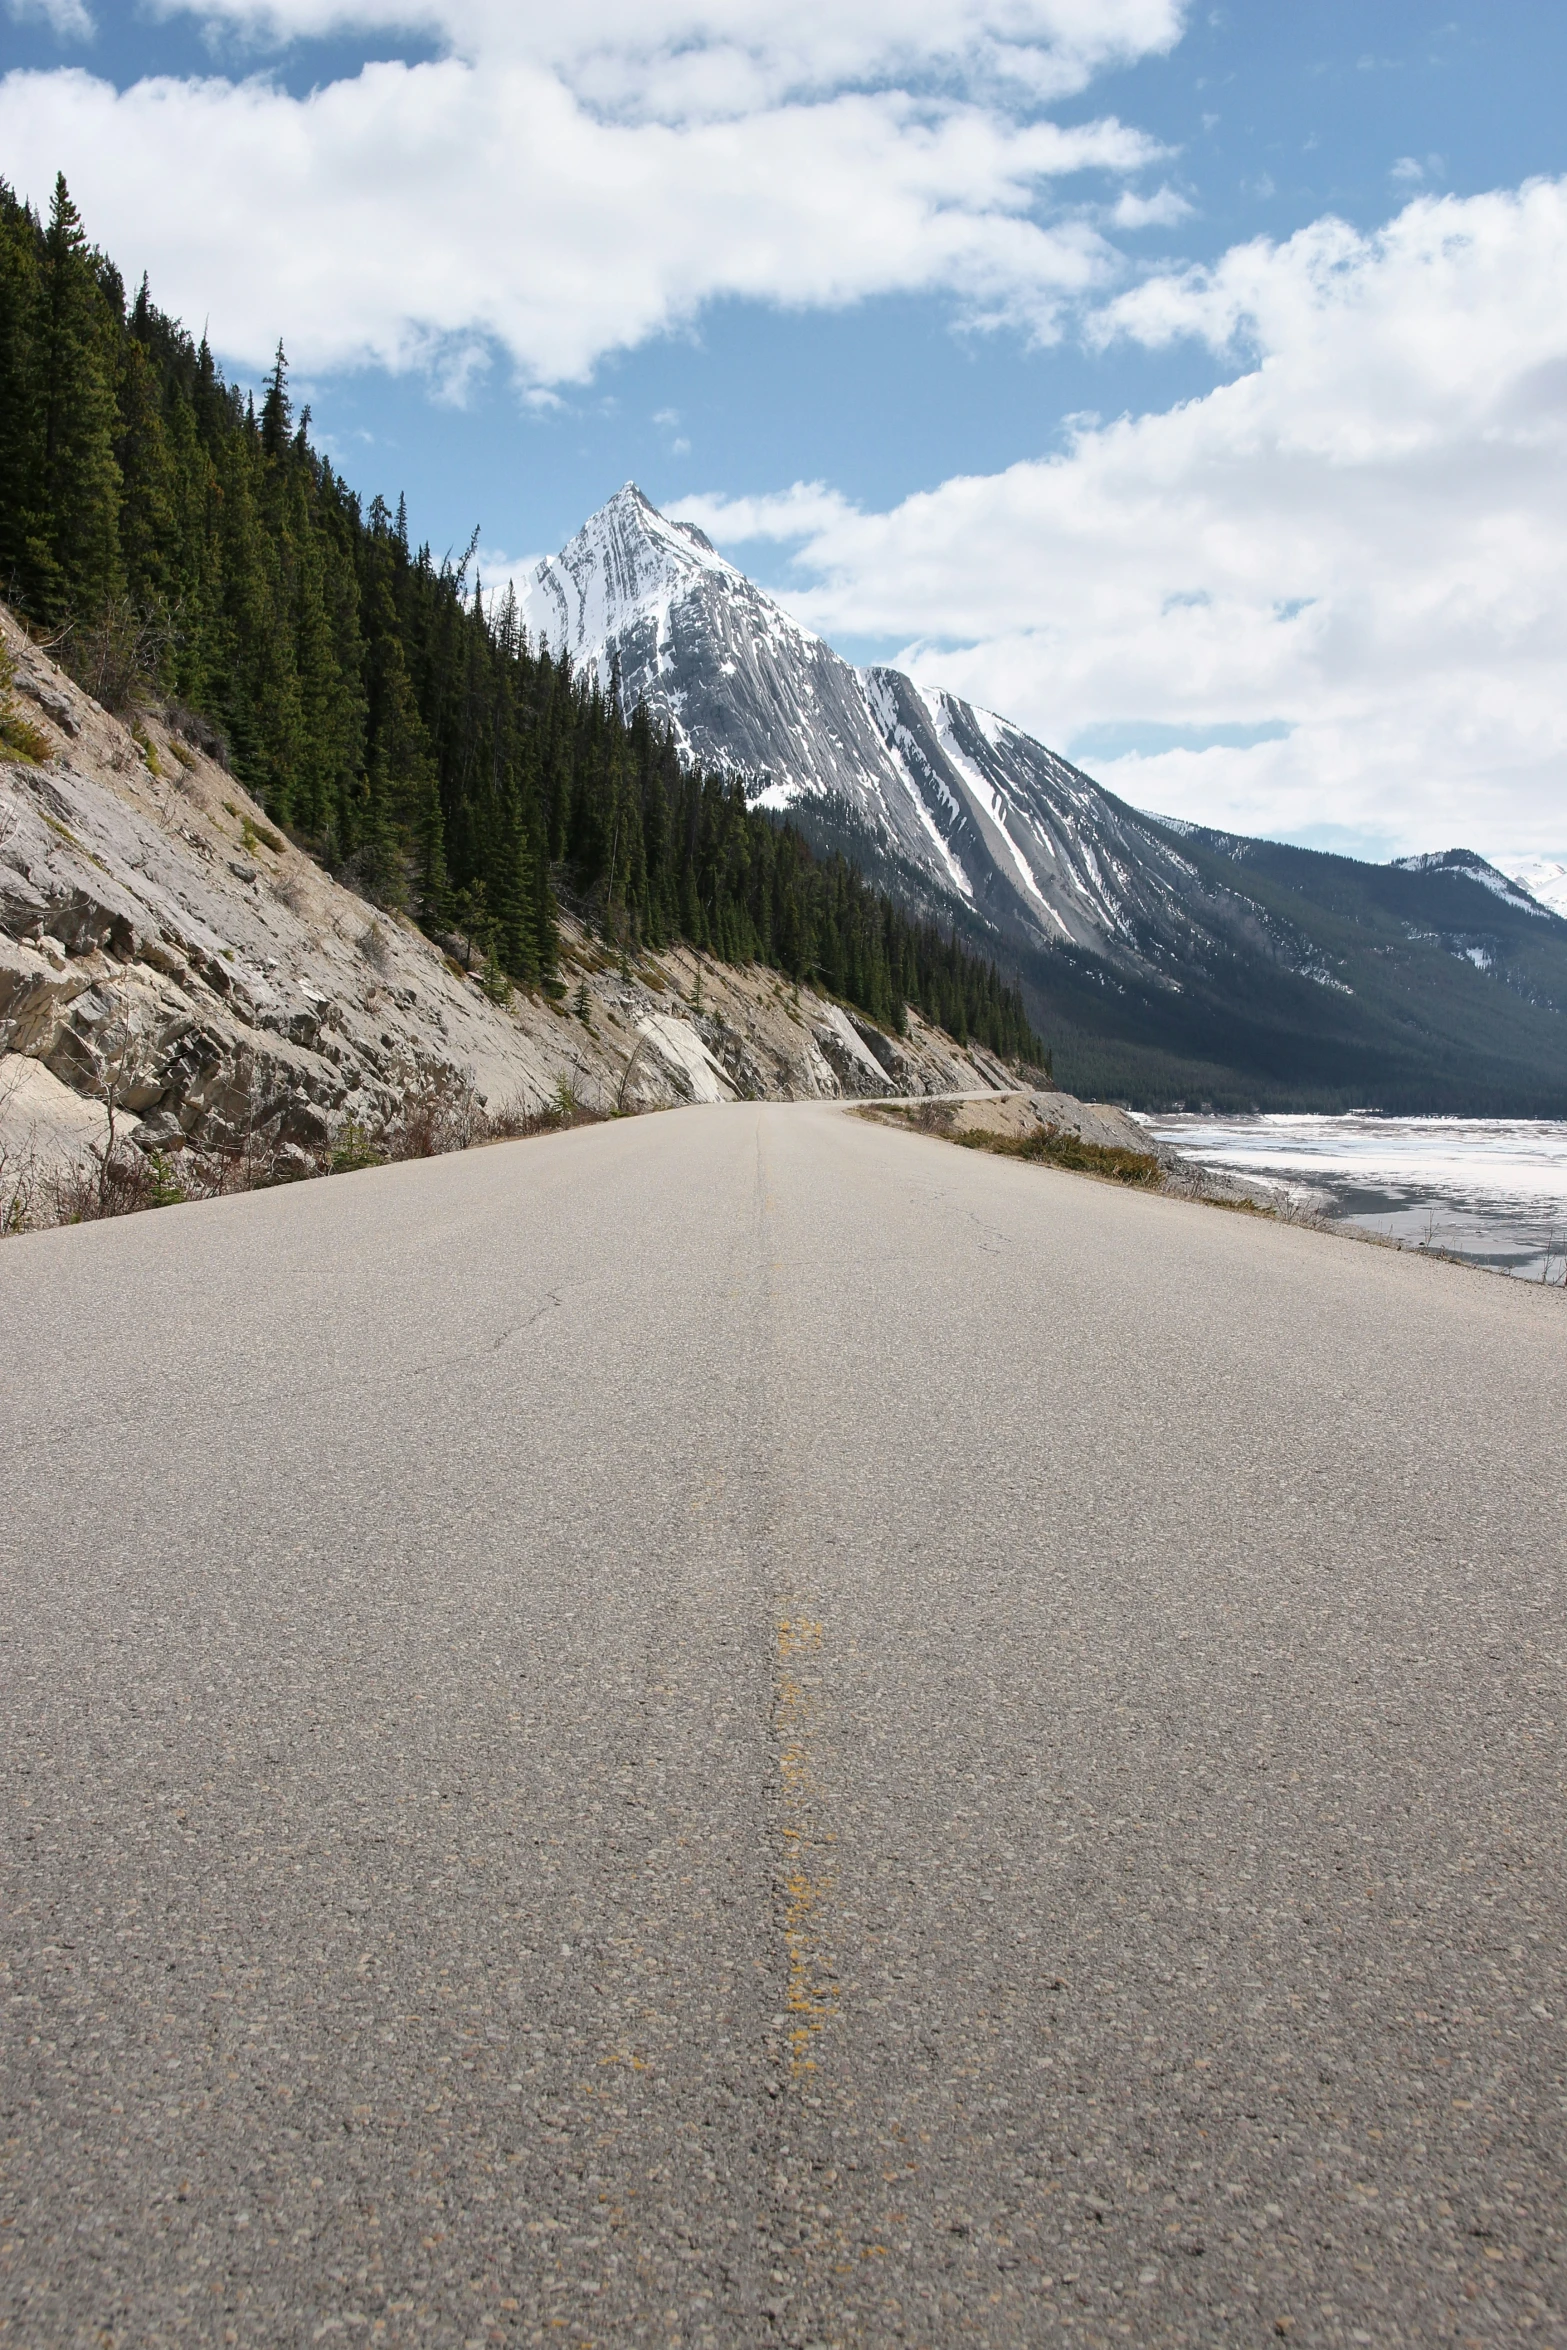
(439,1115)
(514,1122)
(116,655)
(19,1175)
(203,733)
(118,1182)
(932,1117)
(374,946)
(126,1180)
(926,1117)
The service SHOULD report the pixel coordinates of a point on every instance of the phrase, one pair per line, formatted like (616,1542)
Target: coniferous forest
(176,544)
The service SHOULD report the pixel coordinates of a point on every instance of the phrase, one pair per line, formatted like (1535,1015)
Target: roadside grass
(1051,1147)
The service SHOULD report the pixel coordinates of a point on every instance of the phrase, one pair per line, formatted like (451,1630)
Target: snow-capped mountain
(1160,958)
(953,794)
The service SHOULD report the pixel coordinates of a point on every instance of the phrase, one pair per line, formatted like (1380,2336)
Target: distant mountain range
(1164,961)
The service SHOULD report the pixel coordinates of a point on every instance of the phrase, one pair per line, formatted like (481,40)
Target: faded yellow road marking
(811,1990)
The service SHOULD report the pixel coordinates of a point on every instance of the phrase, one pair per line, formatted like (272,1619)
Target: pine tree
(434,881)
(76,566)
(22,528)
(277,418)
(148,516)
(515,901)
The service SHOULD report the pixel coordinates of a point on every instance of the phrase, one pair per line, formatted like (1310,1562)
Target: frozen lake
(1490,1188)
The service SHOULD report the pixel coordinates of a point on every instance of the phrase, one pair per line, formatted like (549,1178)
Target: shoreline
(1040,1128)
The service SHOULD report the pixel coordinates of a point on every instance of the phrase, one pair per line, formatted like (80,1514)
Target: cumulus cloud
(1357,546)
(568,182)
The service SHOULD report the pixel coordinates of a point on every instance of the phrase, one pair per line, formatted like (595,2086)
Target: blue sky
(842,420)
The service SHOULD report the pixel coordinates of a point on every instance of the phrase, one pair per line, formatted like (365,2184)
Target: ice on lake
(1494,1189)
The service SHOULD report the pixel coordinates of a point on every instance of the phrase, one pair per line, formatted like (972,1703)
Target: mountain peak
(628,565)
(631,515)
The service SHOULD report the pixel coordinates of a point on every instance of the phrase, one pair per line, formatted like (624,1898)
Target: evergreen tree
(277,420)
(75,548)
(21,456)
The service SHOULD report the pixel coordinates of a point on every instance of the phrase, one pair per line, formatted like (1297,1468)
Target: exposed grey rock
(159,1130)
(1096,1122)
(882,1047)
(55,704)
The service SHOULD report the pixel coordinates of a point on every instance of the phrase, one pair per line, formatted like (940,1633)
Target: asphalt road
(741,1728)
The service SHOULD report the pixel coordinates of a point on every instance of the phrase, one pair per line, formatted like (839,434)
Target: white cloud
(810,510)
(694,59)
(1163,209)
(1362,538)
(568,182)
(68,20)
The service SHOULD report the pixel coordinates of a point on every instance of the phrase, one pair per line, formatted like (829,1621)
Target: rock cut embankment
(170,962)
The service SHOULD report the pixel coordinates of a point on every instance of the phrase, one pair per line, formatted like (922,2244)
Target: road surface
(740,1728)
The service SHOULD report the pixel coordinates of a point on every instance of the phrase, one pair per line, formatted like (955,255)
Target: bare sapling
(626,1075)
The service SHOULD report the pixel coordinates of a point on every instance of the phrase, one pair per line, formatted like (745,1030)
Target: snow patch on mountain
(981,786)
(1544,879)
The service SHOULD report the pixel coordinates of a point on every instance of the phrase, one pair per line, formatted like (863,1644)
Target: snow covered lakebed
(1494,1189)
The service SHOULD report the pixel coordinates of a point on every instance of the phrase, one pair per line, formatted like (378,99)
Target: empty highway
(739,1728)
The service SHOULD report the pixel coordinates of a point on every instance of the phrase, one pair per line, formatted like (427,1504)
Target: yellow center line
(811,1989)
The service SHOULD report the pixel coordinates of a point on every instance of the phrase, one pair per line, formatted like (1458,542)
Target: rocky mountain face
(954,797)
(168,959)
(1160,959)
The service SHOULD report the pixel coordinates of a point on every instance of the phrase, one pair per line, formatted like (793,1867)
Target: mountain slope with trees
(175,542)
(1314,980)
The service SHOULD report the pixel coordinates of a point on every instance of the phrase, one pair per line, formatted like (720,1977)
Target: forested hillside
(175,543)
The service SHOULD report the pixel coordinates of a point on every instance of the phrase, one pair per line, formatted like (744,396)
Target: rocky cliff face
(169,961)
